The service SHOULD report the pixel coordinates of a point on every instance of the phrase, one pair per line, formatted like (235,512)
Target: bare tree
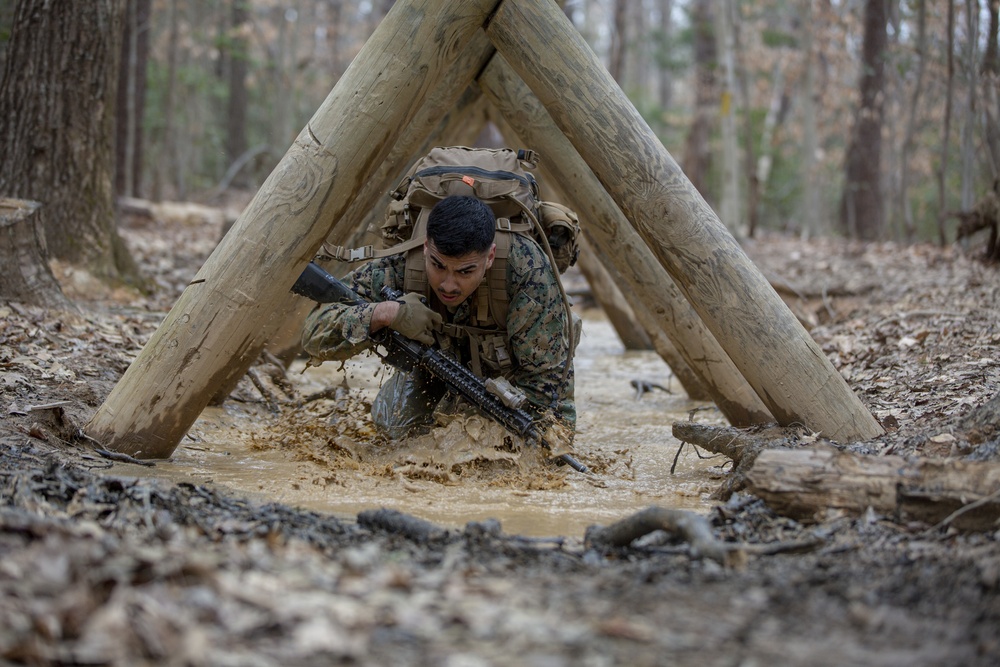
(697,156)
(968,154)
(948,103)
(619,38)
(990,86)
(56,115)
(236,105)
(861,205)
(666,31)
(909,227)
(725,27)
(131,104)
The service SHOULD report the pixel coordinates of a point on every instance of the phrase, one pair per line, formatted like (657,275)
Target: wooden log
(26,275)
(645,279)
(767,344)
(740,445)
(806,483)
(215,328)
(605,291)
(449,105)
(692,383)
(611,300)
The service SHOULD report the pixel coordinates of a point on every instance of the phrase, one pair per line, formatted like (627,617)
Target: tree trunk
(861,207)
(969,152)
(946,132)
(613,237)
(990,86)
(775,354)
(216,327)
(619,38)
(806,483)
(697,158)
(26,276)
(168,163)
(666,78)
(56,114)
(237,102)
(131,104)
(909,227)
(810,211)
(729,211)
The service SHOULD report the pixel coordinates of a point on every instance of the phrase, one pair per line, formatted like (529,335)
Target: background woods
(872,118)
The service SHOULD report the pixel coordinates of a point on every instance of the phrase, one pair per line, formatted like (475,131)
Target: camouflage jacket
(535,324)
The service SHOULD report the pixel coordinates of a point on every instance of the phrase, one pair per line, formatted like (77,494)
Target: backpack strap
(367,252)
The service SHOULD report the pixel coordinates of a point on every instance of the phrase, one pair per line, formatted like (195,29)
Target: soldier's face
(454,279)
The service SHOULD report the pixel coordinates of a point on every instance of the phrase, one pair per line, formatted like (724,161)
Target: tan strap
(367,252)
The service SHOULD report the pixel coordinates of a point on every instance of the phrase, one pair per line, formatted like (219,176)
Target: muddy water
(292,458)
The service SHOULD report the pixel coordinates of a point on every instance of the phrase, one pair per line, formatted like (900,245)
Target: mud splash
(325,455)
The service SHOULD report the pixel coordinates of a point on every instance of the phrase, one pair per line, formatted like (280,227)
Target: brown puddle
(462,473)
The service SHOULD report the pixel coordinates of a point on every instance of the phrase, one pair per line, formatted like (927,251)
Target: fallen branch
(694,528)
(399,523)
(740,445)
(123,458)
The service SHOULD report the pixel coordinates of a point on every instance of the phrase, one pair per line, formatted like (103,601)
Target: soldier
(458,311)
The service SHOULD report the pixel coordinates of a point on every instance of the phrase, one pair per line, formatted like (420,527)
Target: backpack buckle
(358,254)
(503,224)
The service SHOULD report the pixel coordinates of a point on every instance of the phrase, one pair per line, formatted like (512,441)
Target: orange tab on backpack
(469,180)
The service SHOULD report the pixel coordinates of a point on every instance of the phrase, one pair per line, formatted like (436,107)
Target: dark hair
(458,225)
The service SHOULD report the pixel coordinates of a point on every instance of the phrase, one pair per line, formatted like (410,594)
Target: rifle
(405,353)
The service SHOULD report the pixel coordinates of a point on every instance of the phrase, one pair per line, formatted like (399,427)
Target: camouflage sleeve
(337,332)
(536,321)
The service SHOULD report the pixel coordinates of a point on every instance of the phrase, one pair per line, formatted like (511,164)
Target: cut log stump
(26,277)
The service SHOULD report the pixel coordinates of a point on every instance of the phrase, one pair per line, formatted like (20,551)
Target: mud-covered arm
(536,321)
(337,332)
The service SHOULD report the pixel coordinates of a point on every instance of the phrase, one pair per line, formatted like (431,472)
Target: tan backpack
(500,178)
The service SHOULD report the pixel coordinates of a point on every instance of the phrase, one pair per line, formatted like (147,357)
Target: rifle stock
(403,352)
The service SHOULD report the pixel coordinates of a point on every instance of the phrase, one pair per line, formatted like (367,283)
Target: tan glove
(415,320)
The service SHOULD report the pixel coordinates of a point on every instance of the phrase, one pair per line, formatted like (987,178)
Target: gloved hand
(415,320)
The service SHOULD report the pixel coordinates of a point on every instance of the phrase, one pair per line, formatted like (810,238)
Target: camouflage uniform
(535,324)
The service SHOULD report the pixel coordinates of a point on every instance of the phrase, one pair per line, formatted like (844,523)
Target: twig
(962,510)
(269,398)
(692,527)
(123,458)
(673,466)
(113,456)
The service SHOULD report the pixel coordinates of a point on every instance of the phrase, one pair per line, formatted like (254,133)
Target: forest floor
(98,566)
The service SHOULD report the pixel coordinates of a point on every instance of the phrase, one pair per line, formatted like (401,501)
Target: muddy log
(619,246)
(214,330)
(806,483)
(778,358)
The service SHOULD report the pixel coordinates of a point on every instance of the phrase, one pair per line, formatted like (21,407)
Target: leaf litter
(98,566)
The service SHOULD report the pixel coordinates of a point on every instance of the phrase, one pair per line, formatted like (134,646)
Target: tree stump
(26,277)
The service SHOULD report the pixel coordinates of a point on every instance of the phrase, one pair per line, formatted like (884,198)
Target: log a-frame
(523,62)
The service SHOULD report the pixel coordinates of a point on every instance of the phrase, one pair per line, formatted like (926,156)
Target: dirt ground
(99,566)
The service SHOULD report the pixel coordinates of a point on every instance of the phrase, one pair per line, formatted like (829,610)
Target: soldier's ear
(492,256)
